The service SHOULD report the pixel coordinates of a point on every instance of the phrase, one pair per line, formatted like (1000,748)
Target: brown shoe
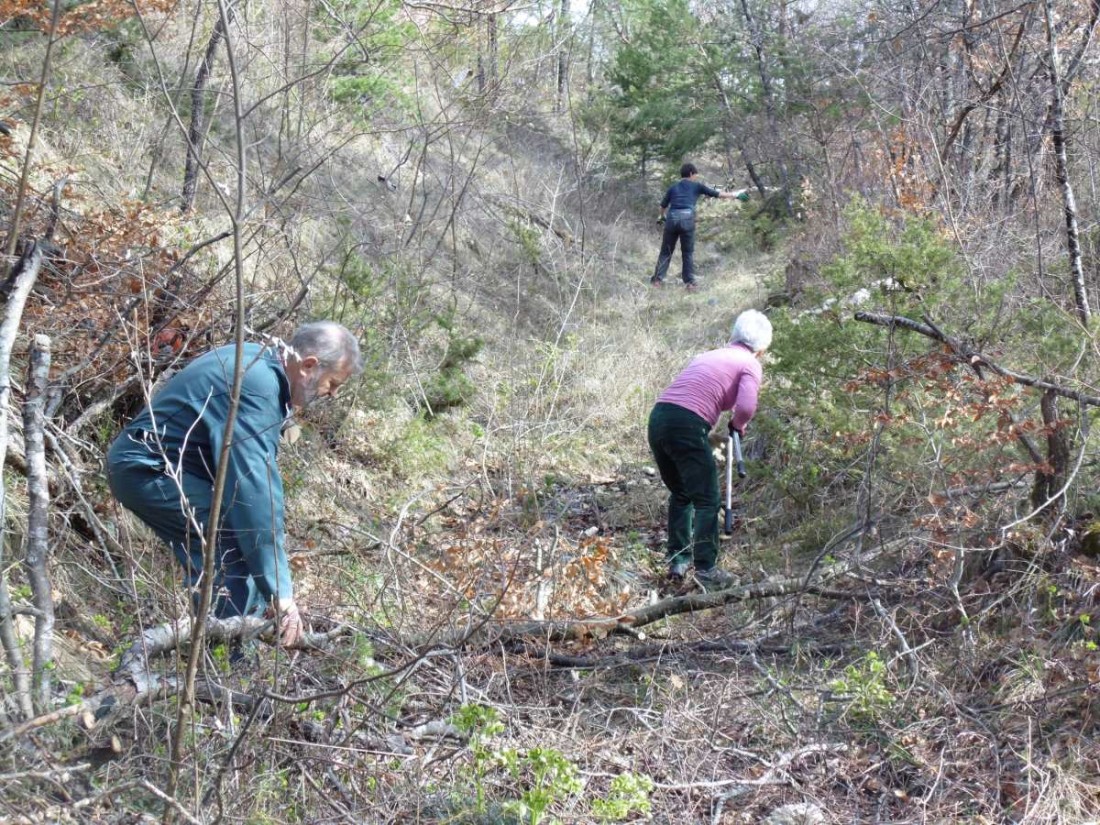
(691,287)
(657,282)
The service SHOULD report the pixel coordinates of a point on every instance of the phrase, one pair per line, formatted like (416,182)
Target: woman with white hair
(728,378)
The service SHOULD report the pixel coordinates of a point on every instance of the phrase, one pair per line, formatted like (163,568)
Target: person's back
(186,419)
(678,432)
(722,379)
(678,216)
(684,194)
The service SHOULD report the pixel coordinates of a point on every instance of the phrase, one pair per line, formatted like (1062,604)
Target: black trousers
(679,225)
(678,439)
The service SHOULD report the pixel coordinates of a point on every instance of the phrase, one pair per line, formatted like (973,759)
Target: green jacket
(189,415)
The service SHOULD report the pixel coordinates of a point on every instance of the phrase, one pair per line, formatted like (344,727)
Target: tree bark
(756,37)
(38,548)
(36,119)
(1061,171)
(563,41)
(729,139)
(197,128)
(1045,494)
(24,274)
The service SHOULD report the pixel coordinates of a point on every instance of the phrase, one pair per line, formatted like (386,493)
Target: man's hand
(291,626)
(661,219)
(739,430)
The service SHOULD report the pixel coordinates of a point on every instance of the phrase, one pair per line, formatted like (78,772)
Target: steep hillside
(476,527)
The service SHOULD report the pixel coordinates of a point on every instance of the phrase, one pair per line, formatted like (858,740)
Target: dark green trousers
(678,438)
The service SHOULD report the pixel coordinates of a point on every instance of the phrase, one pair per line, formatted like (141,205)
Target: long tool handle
(737,449)
(728,526)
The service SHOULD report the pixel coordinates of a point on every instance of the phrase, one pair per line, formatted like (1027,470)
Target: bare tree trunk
(1044,493)
(563,44)
(198,113)
(756,37)
(491,27)
(25,273)
(732,141)
(24,175)
(38,547)
(1061,170)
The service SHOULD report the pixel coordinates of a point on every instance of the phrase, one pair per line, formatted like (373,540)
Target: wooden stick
(22,278)
(37,557)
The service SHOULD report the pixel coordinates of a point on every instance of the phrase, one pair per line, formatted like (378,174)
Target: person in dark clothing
(163,464)
(678,216)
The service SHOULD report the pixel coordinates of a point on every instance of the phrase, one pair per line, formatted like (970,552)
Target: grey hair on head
(753,329)
(332,344)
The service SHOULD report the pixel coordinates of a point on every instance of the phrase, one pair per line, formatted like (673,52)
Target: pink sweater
(722,379)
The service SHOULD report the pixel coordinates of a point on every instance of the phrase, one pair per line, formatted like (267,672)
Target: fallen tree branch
(663,651)
(628,623)
(156,641)
(972,357)
(136,683)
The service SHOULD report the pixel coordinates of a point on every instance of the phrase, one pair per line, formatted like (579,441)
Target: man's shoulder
(261,367)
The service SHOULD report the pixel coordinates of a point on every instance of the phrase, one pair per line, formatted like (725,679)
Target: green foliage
(449,386)
(543,776)
(908,255)
(892,263)
(378,32)
(528,239)
(661,108)
(628,796)
(864,687)
(549,776)
(478,722)
(75,695)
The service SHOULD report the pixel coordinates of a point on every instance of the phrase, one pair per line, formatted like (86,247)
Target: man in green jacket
(163,464)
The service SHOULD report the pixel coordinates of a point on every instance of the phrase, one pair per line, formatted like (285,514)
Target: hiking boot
(691,286)
(677,571)
(715,578)
(656,282)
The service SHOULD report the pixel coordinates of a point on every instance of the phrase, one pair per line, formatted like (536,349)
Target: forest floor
(490,665)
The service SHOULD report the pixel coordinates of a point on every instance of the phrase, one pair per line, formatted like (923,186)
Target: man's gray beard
(309,390)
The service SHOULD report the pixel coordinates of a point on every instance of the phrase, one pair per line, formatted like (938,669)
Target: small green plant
(553,777)
(220,654)
(628,795)
(544,773)
(75,695)
(450,386)
(864,683)
(480,723)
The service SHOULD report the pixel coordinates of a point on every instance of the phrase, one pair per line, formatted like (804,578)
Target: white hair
(753,329)
(330,343)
